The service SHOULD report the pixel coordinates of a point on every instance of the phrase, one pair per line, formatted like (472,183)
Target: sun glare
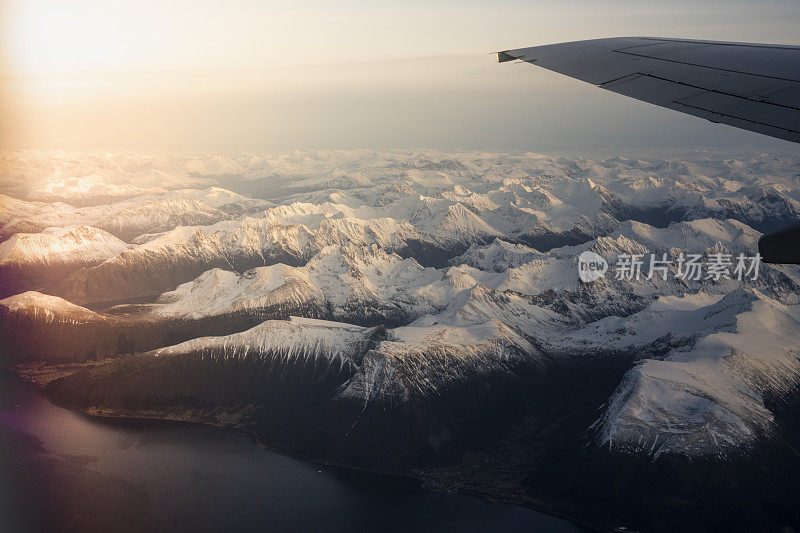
(55,39)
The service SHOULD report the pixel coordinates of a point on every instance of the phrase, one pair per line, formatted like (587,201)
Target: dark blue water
(68,471)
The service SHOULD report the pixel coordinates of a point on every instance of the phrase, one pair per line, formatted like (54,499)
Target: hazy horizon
(260,77)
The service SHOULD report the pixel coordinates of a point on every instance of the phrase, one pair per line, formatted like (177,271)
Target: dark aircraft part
(782,246)
(751,86)
(502,57)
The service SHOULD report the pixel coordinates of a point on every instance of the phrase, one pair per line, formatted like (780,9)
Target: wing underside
(755,87)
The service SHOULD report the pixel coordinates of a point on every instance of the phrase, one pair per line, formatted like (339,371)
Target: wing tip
(503,57)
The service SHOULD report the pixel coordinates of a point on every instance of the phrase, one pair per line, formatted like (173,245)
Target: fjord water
(73,472)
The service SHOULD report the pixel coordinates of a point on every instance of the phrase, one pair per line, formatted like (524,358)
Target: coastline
(39,374)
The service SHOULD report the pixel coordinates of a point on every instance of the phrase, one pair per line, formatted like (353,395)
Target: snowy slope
(45,307)
(130,217)
(298,337)
(80,245)
(707,397)
(416,362)
(344,279)
(33,261)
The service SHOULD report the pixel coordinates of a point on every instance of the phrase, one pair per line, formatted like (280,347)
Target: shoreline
(425,478)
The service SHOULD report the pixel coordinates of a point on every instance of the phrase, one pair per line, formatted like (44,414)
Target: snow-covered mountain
(32,260)
(415,309)
(131,217)
(707,396)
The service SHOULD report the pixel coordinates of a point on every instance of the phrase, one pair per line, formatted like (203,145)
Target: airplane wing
(755,87)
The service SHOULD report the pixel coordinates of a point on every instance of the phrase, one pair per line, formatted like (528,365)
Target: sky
(273,76)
